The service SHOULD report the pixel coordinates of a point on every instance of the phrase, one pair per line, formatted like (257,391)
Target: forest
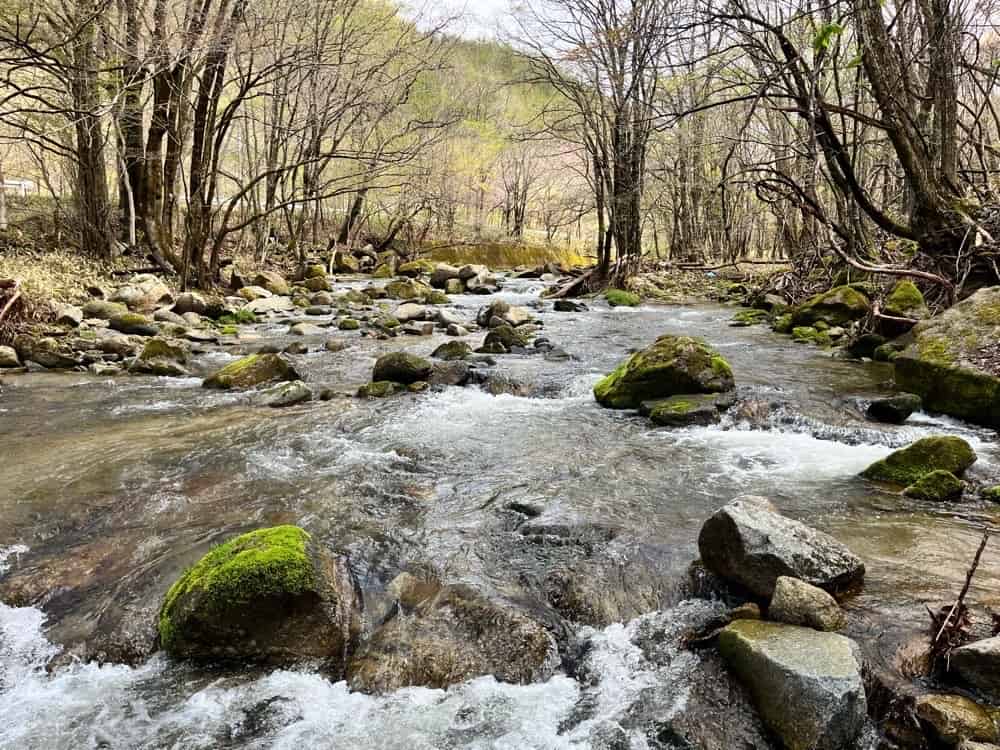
(550,375)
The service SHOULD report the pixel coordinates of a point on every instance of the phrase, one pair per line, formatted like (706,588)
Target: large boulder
(8,357)
(271,595)
(143,293)
(401,367)
(906,301)
(408,289)
(747,542)
(909,464)
(273,282)
(796,602)
(671,366)
(251,371)
(162,357)
(416,268)
(344,262)
(190,302)
(805,684)
(951,362)
(133,324)
(442,274)
(443,635)
(836,307)
(978,663)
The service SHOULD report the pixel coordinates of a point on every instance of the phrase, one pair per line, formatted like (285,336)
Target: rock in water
(250,371)
(287,394)
(978,664)
(450,634)
(271,595)
(143,293)
(954,718)
(937,486)
(273,282)
(401,367)
(749,543)
(894,409)
(806,684)
(672,366)
(837,307)
(909,464)
(8,357)
(796,602)
(952,362)
(686,410)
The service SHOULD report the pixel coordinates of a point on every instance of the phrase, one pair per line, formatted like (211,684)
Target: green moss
(416,267)
(672,365)
(748,318)
(992,494)
(988,314)
(436,297)
(240,317)
(349,324)
(938,485)
(836,307)
(157,348)
(885,352)
(935,349)
(266,562)
(378,389)
(905,300)
(383,271)
(621,298)
(783,323)
(315,271)
(229,330)
(250,371)
(809,335)
(503,339)
(910,464)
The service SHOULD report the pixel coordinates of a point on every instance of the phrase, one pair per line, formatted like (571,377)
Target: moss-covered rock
(401,367)
(270,595)
(910,464)
(938,486)
(315,271)
(894,409)
(810,335)
(435,297)
(162,357)
(671,366)
(836,307)
(416,268)
(318,284)
(379,389)
(621,298)
(686,410)
(348,324)
(454,286)
(906,301)
(504,339)
(344,262)
(383,271)
(452,350)
(133,324)
(407,289)
(273,282)
(251,371)
(864,346)
(783,323)
(992,494)
(749,317)
(952,361)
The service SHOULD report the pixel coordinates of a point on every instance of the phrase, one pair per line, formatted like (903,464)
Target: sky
(479,18)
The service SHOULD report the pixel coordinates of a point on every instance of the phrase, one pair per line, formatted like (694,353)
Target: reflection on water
(112,487)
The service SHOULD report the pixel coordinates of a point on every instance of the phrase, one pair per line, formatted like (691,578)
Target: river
(110,487)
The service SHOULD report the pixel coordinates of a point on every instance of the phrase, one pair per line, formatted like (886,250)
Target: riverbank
(118,484)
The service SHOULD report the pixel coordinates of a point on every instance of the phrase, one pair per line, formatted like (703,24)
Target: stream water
(111,487)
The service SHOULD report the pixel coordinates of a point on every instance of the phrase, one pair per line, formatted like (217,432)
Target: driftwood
(951,623)
(877,313)
(15,294)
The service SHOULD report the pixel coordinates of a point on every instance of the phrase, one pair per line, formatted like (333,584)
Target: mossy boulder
(671,366)
(810,335)
(749,317)
(103,310)
(937,486)
(273,282)
(315,271)
(906,301)
(783,323)
(416,268)
(348,324)
(454,286)
(344,262)
(621,298)
(162,357)
(272,595)
(133,324)
(452,350)
(401,367)
(318,284)
(435,297)
(686,410)
(379,389)
(251,371)
(837,307)
(910,464)
(992,494)
(953,360)
(383,271)
(504,339)
(407,289)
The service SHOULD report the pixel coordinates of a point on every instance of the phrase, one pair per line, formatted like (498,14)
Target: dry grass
(507,255)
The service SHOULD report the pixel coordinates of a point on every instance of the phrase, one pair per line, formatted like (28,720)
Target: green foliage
(621,298)
(240,317)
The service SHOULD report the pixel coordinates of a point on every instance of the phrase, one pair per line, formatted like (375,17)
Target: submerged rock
(401,367)
(894,409)
(938,486)
(568,305)
(806,684)
(749,543)
(270,595)
(953,361)
(911,463)
(250,371)
(796,602)
(836,307)
(671,366)
(978,663)
(443,635)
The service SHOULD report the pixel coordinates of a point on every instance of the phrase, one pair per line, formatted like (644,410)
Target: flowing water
(111,487)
